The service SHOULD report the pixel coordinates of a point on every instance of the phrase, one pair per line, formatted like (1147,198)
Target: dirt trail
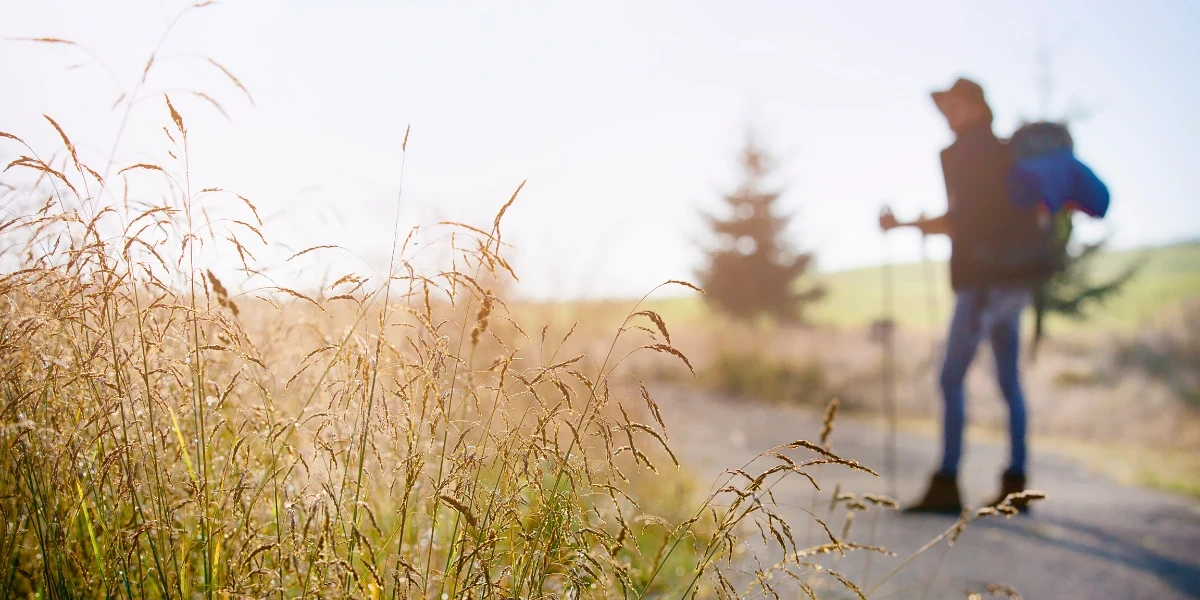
(1091,539)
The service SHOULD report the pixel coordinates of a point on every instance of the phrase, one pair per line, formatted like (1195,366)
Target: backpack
(1045,184)
(1046,177)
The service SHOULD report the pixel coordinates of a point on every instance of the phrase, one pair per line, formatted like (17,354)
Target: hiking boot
(941,497)
(1011,483)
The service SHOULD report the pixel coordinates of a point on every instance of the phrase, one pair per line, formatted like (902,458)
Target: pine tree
(1073,292)
(752,269)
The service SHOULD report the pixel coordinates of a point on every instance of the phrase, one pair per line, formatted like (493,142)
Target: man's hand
(887,220)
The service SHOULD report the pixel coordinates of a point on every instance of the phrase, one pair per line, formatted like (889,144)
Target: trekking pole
(887,371)
(931,304)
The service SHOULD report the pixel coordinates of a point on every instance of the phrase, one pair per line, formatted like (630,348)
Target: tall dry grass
(169,434)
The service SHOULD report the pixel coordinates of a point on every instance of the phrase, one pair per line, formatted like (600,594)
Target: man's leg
(1006,341)
(960,350)
(1006,338)
(942,495)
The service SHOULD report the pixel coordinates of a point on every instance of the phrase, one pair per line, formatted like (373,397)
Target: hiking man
(991,289)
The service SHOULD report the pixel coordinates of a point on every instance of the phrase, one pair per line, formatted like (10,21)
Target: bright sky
(626,117)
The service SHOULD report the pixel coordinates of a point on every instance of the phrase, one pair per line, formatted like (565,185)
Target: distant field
(1169,276)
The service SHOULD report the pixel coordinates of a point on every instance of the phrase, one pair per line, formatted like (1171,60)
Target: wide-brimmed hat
(963,89)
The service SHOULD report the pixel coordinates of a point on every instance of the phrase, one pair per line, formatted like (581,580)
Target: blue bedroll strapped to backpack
(1046,172)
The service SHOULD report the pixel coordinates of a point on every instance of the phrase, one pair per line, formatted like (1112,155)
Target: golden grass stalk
(411,443)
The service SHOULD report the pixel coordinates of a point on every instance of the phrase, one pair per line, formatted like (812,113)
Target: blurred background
(746,147)
(642,129)
(627,118)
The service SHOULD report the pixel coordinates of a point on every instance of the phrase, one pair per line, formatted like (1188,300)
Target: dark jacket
(983,222)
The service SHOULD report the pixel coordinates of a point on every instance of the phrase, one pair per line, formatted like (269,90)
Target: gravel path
(1092,538)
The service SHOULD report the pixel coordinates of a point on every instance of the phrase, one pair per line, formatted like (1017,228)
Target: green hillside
(1169,275)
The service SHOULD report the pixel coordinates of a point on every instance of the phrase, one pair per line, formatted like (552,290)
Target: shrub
(762,377)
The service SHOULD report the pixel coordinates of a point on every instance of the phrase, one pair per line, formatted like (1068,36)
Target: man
(985,229)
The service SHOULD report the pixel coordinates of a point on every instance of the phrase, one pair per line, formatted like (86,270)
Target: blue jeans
(996,314)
